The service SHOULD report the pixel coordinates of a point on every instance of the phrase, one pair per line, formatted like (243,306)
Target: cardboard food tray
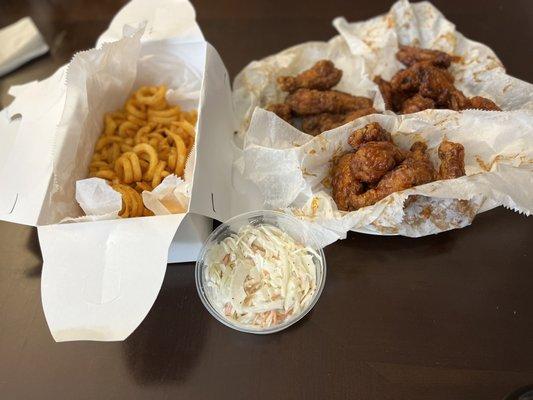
(100,278)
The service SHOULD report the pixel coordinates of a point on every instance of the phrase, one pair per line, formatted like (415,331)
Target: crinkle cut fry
(141,145)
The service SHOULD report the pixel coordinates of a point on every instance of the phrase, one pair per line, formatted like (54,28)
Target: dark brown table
(442,317)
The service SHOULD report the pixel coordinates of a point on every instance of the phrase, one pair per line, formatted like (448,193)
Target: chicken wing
(372,132)
(310,101)
(387,93)
(482,103)
(417,103)
(409,55)
(435,83)
(282,110)
(372,160)
(321,76)
(452,160)
(458,101)
(344,185)
(406,80)
(316,124)
(415,170)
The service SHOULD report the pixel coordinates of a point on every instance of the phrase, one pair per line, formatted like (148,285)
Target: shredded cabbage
(260,276)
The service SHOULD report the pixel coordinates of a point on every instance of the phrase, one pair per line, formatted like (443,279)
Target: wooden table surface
(441,317)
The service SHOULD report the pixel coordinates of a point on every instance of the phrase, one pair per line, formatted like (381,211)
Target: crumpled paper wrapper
(366,49)
(99,81)
(99,201)
(291,170)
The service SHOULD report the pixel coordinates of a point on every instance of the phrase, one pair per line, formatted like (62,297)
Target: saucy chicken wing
(282,110)
(452,160)
(483,103)
(321,76)
(344,184)
(410,55)
(316,124)
(372,160)
(372,132)
(426,83)
(415,170)
(310,101)
(417,103)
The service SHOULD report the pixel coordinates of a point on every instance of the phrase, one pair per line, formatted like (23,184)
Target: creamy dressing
(260,277)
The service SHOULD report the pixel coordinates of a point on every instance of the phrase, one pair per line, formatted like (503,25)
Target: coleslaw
(260,276)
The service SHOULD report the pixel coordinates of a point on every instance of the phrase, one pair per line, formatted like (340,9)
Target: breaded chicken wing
(409,55)
(344,185)
(426,83)
(458,101)
(316,124)
(309,101)
(415,170)
(435,83)
(452,160)
(321,76)
(482,103)
(282,110)
(372,132)
(417,103)
(372,160)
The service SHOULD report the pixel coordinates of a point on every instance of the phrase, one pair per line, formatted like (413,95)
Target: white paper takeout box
(100,278)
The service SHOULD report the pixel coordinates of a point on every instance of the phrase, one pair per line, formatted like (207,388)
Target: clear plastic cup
(290,225)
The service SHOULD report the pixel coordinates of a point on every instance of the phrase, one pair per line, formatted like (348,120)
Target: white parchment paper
(294,178)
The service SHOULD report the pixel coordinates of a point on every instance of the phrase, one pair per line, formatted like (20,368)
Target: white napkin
(21,42)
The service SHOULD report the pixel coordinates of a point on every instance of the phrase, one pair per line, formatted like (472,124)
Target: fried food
(372,132)
(316,124)
(435,83)
(310,101)
(410,55)
(483,103)
(417,103)
(415,170)
(372,160)
(452,160)
(321,76)
(141,145)
(387,92)
(426,84)
(378,168)
(458,101)
(282,110)
(344,184)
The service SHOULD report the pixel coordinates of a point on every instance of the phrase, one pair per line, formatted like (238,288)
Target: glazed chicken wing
(386,92)
(372,132)
(309,101)
(372,160)
(316,124)
(417,103)
(344,184)
(452,160)
(435,83)
(321,76)
(415,170)
(409,55)
(426,83)
(458,101)
(483,103)
(282,110)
